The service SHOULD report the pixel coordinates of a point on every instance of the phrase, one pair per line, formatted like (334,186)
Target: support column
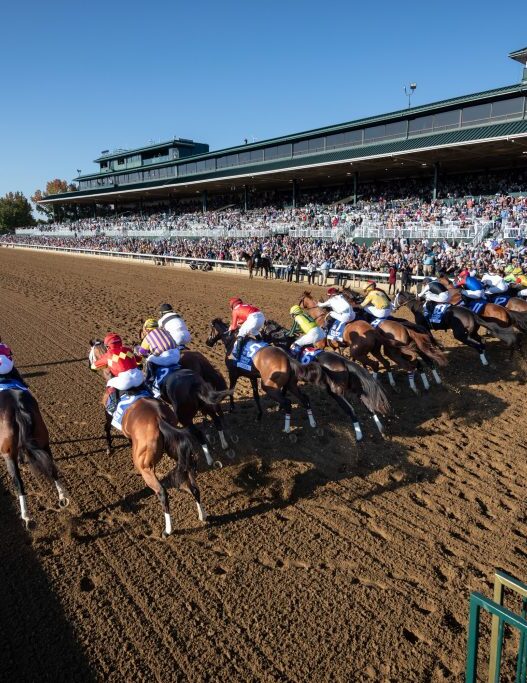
(355,183)
(245,198)
(294,193)
(204,200)
(436,176)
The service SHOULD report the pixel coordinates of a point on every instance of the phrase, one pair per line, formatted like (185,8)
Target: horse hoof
(64,502)
(165,534)
(31,525)
(293,438)
(108,451)
(211,438)
(217,465)
(231,454)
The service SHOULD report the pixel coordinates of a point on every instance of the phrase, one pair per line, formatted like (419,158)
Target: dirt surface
(322,561)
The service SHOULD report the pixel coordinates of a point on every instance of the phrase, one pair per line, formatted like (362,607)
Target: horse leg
(14,473)
(256,396)
(153,483)
(232,384)
(304,401)
(283,401)
(217,418)
(64,501)
(472,339)
(348,409)
(189,485)
(376,353)
(424,378)
(200,437)
(108,432)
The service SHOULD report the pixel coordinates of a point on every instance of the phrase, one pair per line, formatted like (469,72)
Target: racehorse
(262,264)
(347,376)
(505,316)
(463,323)
(278,374)
(362,339)
(23,428)
(150,425)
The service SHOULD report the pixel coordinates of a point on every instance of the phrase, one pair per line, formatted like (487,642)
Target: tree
(55,186)
(15,212)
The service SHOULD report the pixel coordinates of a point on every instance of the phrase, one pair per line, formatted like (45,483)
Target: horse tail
(39,460)
(178,447)
(311,373)
(214,377)
(425,344)
(519,318)
(504,334)
(373,395)
(210,396)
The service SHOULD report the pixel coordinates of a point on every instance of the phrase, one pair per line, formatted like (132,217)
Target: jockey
(376,302)
(340,308)
(473,288)
(311,332)
(158,346)
(247,319)
(174,324)
(522,280)
(433,292)
(495,283)
(122,363)
(7,366)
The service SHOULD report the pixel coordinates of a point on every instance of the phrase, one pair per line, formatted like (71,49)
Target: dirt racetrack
(321,561)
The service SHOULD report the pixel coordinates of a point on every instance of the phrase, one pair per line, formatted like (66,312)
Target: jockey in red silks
(7,366)
(122,363)
(247,319)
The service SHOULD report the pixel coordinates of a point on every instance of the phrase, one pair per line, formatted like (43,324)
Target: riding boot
(112,400)
(237,348)
(294,350)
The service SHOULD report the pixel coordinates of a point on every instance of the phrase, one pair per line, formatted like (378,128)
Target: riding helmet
(5,351)
(332,291)
(234,301)
(165,308)
(371,285)
(112,339)
(150,324)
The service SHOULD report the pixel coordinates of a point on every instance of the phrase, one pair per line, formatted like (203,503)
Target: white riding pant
(314,335)
(378,312)
(252,325)
(473,293)
(441,298)
(166,358)
(497,289)
(6,365)
(346,317)
(522,292)
(126,380)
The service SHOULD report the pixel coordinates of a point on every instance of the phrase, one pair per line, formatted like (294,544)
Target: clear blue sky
(80,77)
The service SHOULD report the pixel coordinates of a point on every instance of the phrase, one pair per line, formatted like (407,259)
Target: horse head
(401,299)
(218,330)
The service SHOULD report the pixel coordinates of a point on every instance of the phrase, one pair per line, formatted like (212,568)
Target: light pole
(409,91)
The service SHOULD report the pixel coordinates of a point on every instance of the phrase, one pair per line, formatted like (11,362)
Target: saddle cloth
(6,384)
(336,331)
(159,375)
(249,351)
(436,316)
(125,402)
(475,305)
(308,354)
(498,299)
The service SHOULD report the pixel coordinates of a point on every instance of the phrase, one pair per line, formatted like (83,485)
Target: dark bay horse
(22,428)
(261,264)
(278,374)
(362,339)
(151,426)
(500,315)
(347,377)
(463,323)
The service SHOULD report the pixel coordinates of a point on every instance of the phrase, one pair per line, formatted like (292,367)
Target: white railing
(421,230)
(335,273)
(513,230)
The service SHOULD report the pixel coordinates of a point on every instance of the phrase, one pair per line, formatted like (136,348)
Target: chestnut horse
(362,338)
(150,425)
(348,377)
(277,371)
(23,428)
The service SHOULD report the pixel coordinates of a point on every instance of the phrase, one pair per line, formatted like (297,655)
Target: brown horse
(278,374)
(262,264)
(23,428)
(503,316)
(347,377)
(150,425)
(363,339)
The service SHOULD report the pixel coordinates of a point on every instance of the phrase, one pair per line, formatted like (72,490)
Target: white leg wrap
(311,418)
(223,440)
(483,359)
(358,431)
(168,524)
(378,423)
(375,375)
(60,490)
(287,426)
(391,379)
(23,507)
(426,383)
(436,376)
(207,455)
(411,380)
(202,515)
